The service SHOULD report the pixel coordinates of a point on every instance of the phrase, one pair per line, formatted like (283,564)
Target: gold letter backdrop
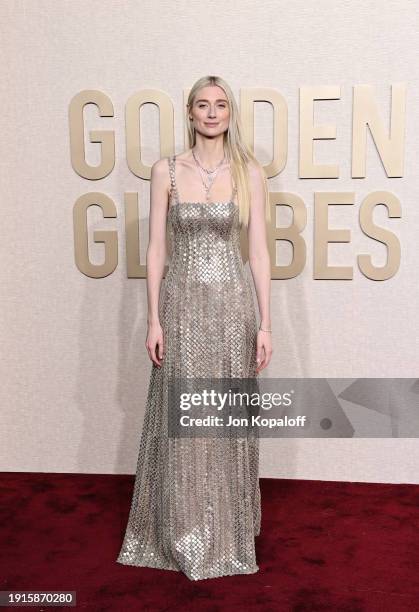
(389,145)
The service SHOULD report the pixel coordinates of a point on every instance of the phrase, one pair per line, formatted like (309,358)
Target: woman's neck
(209,153)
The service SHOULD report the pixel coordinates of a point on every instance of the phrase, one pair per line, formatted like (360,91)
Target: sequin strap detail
(173,177)
(233,193)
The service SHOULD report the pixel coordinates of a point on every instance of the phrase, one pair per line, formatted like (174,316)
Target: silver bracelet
(265,330)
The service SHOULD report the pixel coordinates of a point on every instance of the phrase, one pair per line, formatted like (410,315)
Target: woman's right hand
(154,343)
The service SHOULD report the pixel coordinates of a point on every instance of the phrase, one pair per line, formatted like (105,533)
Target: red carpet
(346,547)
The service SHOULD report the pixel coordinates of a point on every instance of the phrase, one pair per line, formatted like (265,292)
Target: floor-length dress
(196,502)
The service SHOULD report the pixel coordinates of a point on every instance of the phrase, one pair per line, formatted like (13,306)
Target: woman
(196,502)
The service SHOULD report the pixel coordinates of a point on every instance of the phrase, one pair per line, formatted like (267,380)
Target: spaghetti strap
(233,193)
(171,161)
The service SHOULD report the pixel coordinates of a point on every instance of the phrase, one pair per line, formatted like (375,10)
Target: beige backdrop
(74,367)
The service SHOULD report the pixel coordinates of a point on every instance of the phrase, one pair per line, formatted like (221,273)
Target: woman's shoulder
(160,168)
(163,162)
(160,163)
(253,165)
(160,172)
(255,169)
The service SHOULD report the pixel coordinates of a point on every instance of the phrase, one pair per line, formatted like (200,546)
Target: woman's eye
(204,105)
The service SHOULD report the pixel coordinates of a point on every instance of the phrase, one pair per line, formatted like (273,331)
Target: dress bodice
(205,240)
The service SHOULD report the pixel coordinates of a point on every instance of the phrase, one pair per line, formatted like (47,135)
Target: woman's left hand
(264,350)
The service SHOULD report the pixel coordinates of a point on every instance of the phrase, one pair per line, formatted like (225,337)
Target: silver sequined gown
(196,502)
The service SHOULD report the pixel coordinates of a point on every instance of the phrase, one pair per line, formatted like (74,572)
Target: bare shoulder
(160,168)
(160,175)
(256,171)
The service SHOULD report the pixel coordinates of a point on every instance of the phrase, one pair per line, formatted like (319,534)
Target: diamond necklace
(211,174)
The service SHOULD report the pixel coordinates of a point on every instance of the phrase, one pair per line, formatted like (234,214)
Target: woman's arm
(259,261)
(156,255)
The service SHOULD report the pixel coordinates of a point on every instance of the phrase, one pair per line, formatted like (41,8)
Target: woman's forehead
(212,92)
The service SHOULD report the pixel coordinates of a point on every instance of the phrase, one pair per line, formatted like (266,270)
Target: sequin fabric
(196,501)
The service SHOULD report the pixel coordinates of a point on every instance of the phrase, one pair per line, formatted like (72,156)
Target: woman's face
(210,111)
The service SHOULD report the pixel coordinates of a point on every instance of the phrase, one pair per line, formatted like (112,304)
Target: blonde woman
(196,502)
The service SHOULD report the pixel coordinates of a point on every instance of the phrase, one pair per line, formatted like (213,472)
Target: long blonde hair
(237,151)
